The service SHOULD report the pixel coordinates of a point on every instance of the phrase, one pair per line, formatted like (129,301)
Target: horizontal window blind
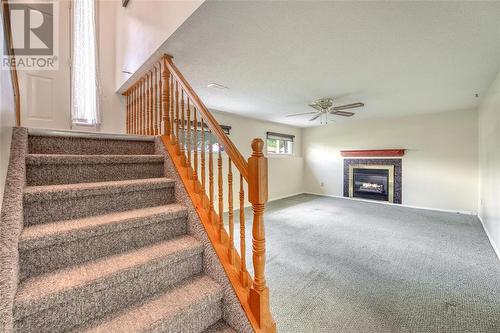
(280,136)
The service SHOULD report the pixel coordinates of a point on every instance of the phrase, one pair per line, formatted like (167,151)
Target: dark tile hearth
(397,162)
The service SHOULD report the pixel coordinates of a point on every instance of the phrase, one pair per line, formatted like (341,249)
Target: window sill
(280,155)
(76,126)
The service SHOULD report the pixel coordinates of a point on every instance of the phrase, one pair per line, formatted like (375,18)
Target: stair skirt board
(112,247)
(11,226)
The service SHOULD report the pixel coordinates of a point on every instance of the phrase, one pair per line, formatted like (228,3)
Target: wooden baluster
(146,109)
(156,108)
(127,113)
(151,105)
(211,179)
(183,131)
(137,103)
(203,147)
(230,211)
(195,151)
(258,195)
(171,110)
(159,127)
(131,117)
(146,105)
(141,105)
(148,114)
(188,138)
(220,190)
(165,88)
(136,118)
(160,100)
(177,117)
(133,110)
(243,265)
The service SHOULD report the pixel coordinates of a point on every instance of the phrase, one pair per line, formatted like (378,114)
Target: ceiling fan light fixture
(325,107)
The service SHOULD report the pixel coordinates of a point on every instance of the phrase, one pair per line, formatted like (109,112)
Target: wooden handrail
(13,71)
(177,101)
(212,124)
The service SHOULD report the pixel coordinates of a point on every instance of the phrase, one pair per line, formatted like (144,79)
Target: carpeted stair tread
(41,292)
(42,235)
(54,192)
(220,327)
(185,308)
(39,159)
(56,144)
(54,169)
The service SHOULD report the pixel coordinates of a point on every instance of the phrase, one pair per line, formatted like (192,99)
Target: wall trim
(286,196)
(464,212)
(495,248)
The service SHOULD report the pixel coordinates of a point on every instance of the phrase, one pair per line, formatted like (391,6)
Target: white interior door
(45,95)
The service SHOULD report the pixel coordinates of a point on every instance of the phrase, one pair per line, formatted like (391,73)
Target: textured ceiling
(399,58)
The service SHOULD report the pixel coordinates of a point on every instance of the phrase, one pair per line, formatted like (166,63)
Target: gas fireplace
(373,178)
(374,182)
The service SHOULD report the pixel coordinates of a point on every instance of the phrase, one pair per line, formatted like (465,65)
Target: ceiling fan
(324,107)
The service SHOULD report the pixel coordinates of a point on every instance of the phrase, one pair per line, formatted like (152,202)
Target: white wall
(7,120)
(142,27)
(439,169)
(489,163)
(113,109)
(285,172)
(127,38)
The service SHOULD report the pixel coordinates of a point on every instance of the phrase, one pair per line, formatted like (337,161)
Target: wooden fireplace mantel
(372,153)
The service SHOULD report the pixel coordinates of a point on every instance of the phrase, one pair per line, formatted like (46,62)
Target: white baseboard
(465,212)
(285,196)
(495,248)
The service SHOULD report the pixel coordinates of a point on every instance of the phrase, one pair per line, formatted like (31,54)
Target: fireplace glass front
(370,184)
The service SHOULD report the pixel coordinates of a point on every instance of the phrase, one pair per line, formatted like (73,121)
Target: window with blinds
(279,144)
(210,139)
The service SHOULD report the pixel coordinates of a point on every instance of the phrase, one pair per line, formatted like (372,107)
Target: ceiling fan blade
(348,106)
(343,113)
(315,117)
(300,114)
(316,106)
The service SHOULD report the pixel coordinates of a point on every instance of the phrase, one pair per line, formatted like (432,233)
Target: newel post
(166,98)
(258,195)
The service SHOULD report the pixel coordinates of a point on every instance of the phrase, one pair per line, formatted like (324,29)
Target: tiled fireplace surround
(396,162)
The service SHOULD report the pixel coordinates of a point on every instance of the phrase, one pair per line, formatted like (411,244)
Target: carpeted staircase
(105,245)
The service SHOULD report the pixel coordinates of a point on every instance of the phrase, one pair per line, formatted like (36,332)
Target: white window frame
(287,139)
(90,119)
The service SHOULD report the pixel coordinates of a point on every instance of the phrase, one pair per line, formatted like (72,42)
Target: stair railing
(162,102)
(7,32)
